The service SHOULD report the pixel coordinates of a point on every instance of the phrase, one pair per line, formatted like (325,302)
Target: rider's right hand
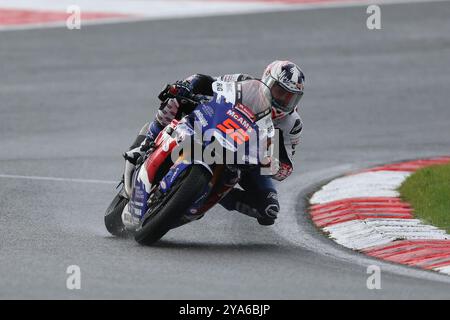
(182,89)
(178,90)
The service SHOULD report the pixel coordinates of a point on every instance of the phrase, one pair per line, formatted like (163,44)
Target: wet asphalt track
(72,101)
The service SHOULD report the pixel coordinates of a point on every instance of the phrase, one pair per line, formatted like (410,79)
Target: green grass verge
(428,191)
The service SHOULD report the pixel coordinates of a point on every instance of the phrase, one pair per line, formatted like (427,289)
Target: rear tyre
(113,217)
(173,206)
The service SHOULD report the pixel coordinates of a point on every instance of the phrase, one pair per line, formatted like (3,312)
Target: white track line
(59,24)
(11,176)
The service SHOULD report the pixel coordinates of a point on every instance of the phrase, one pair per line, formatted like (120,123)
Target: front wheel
(113,217)
(171,208)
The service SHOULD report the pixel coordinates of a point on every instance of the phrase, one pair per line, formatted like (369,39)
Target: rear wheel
(160,218)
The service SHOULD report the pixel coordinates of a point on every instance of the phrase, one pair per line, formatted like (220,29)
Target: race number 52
(232,129)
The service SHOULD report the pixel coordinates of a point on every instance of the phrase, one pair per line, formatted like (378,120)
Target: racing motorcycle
(195,162)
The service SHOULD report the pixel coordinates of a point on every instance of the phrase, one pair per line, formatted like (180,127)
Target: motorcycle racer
(258,197)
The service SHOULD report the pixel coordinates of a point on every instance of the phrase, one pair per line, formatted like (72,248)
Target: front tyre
(173,205)
(113,217)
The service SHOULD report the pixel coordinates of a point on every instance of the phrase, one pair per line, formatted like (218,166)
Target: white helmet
(286,82)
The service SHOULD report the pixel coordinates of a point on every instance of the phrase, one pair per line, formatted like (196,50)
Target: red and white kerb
(364,212)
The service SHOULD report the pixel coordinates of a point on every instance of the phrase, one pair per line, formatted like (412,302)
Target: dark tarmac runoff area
(73,101)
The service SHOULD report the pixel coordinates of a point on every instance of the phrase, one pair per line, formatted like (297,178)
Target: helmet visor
(284,99)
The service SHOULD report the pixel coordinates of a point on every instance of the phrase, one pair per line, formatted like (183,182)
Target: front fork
(128,178)
(137,190)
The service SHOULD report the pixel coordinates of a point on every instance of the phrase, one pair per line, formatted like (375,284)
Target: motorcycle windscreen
(253,99)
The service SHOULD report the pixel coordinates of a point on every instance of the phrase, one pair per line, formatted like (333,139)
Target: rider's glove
(182,89)
(283,172)
(179,90)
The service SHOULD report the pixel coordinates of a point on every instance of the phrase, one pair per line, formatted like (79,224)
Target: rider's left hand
(284,171)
